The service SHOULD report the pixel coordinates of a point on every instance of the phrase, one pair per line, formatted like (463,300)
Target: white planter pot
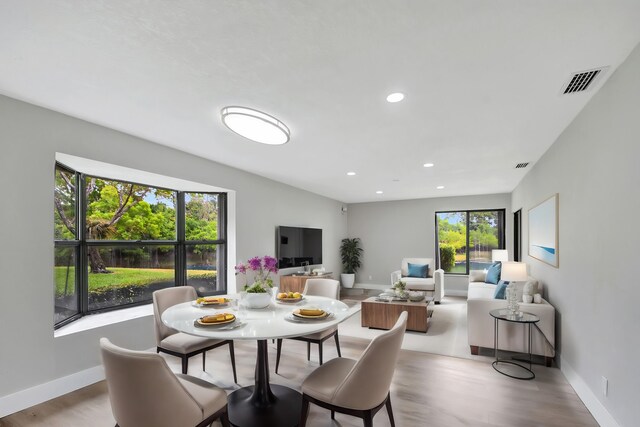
(348,280)
(251,300)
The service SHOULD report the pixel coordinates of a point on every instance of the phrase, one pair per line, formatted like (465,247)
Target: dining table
(263,403)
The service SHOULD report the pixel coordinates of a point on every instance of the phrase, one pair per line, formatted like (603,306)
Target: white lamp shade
(501,255)
(514,271)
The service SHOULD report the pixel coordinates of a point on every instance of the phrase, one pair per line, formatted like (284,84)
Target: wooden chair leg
(337,344)
(278,352)
(185,364)
(390,411)
(304,412)
(204,360)
(232,354)
(320,352)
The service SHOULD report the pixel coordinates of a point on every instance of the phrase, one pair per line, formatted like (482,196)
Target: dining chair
(179,344)
(323,288)
(145,393)
(357,387)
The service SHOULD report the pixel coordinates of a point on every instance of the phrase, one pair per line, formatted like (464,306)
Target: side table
(526,319)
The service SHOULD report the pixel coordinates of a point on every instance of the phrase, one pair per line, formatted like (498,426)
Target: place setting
(212,302)
(219,321)
(308,314)
(289,297)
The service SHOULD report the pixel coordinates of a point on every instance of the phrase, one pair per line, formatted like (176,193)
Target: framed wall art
(543,231)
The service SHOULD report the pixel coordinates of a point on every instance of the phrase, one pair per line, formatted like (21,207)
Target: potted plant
(258,294)
(350,254)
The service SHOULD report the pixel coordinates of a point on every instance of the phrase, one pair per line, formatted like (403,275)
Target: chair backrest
(404,267)
(144,392)
(374,370)
(322,288)
(165,298)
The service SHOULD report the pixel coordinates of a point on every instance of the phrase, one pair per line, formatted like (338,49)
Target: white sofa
(433,284)
(512,336)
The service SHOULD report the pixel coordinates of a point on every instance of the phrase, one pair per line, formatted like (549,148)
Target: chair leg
(390,411)
(185,364)
(368,419)
(333,415)
(337,344)
(308,351)
(204,359)
(278,351)
(224,419)
(304,412)
(232,354)
(320,352)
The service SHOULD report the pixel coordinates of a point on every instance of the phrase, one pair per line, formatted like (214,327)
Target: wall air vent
(582,80)
(522,165)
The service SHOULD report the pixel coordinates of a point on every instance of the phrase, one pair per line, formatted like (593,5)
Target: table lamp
(501,255)
(514,271)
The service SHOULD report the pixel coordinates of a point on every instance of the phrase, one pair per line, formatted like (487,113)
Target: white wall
(394,230)
(30,136)
(595,167)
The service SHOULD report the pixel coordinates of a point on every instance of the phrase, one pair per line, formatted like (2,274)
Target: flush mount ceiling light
(428,165)
(395,97)
(379,192)
(255,125)
(440,187)
(351,173)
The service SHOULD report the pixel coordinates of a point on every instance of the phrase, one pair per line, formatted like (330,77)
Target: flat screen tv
(298,246)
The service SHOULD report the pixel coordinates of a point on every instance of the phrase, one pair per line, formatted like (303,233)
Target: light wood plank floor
(427,390)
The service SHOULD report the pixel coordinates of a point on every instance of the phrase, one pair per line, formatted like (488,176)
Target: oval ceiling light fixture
(428,165)
(255,125)
(440,187)
(379,192)
(395,97)
(351,173)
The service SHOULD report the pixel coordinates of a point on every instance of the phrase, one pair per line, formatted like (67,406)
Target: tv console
(295,282)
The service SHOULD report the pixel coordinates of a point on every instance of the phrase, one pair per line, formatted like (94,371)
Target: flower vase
(256,300)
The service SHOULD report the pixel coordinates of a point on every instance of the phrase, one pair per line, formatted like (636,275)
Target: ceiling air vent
(522,165)
(582,80)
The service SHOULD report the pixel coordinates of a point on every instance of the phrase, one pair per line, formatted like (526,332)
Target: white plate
(290,317)
(225,322)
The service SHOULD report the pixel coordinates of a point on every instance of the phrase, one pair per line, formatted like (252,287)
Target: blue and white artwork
(543,231)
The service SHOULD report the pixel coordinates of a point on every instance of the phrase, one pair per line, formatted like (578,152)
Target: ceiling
(482,79)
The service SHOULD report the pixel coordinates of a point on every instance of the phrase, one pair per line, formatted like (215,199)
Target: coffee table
(380,314)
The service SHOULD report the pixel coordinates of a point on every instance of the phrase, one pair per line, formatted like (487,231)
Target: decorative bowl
(256,300)
(416,296)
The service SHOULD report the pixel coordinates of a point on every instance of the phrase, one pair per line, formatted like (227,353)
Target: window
(131,240)
(465,239)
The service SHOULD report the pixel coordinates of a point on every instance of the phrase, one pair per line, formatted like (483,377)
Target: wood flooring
(427,390)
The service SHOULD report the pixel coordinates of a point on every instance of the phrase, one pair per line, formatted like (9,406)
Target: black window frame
(179,244)
(501,233)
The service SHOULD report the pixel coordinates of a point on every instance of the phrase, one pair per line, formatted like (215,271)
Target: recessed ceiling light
(428,165)
(440,187)
(255,125)
(379,192)
(395,180)
(395,97)
(351,173)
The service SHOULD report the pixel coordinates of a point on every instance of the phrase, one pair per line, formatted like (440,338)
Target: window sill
(93,321)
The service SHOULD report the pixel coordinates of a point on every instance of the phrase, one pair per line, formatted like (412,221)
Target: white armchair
(433,284)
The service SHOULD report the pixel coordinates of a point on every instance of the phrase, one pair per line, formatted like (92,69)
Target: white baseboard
(455,292)
(597,409)
(42,392)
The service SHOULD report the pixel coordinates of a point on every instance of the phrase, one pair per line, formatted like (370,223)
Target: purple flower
(241,268)
(270,263)
(255,263)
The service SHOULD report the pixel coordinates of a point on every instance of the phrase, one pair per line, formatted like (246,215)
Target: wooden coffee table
(383,315)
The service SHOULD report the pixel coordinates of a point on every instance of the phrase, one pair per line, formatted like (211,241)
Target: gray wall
(394,230)
(30,136)
(594,166)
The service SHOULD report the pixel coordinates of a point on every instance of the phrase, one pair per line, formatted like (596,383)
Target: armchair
(433,284)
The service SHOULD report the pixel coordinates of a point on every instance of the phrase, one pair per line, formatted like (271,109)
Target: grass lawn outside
(123,277)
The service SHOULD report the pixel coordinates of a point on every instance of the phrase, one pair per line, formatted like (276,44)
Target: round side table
(527,320)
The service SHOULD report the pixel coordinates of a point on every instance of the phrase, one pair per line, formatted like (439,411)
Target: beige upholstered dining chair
(179,344)
(357,387)
(323,288)
(145,393)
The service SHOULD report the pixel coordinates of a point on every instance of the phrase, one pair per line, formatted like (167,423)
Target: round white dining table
(262,404)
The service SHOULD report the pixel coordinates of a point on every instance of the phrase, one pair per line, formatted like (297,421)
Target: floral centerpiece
(400,288)
(260,269)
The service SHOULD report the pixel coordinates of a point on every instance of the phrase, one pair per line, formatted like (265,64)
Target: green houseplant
(350,254)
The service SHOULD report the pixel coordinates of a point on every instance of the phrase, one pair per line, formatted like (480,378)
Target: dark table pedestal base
(282,411)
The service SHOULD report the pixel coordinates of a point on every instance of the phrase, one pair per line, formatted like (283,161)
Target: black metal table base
(264,404)
(529,376)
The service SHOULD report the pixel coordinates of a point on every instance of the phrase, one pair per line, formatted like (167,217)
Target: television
(298,246)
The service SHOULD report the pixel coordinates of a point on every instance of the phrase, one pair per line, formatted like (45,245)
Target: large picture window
(117,242)
(465,239)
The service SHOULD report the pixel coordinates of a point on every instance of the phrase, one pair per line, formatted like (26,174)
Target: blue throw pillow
(501,290)
(493,274)
(418,270)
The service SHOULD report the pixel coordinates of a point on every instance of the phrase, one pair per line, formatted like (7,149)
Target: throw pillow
(418,270)
(501,290)
(493,274)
